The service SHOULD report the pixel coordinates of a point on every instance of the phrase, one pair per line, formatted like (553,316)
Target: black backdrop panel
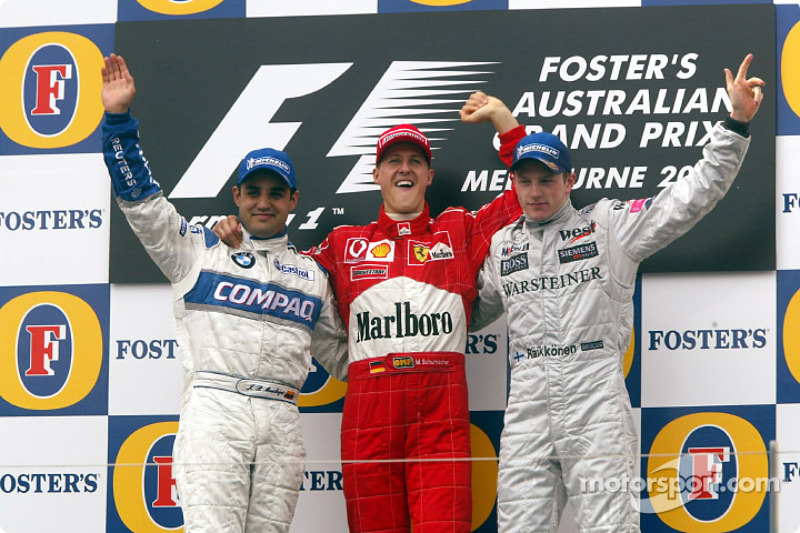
(618,72)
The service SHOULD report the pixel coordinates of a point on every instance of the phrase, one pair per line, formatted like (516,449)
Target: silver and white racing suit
(566,285)
(246,322)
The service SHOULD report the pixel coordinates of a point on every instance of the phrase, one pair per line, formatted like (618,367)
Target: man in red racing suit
(405,286)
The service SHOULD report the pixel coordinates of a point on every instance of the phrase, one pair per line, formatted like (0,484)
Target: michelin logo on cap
(552,152)
(545,148)
(268,159)
(271,161)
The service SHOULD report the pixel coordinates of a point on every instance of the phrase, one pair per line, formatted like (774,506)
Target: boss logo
(514,264)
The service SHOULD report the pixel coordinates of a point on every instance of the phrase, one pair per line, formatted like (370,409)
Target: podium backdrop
(89,374)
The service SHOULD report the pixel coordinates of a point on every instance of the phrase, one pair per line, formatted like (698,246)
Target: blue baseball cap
(545,148)
(268,159)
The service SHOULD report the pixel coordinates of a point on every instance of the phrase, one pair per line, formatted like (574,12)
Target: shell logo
(381,251)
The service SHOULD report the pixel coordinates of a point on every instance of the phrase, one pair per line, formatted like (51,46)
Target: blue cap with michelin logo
(271,160)
(545,148)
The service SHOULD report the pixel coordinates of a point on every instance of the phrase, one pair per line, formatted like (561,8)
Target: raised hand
(745,93)
(481,107)
(118,85)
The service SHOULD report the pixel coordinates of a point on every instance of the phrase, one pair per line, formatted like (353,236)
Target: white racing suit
(566,285)
(246,320)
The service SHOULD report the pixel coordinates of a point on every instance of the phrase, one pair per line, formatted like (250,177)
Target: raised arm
(481,107)
(680,205)
(164,233)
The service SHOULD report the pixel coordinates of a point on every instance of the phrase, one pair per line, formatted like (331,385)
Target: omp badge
(401,363)
(50,90)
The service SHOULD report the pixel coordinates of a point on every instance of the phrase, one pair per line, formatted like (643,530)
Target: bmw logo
(244,259)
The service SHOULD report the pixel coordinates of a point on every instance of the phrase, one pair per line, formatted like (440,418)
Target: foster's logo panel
(142,493)
(50,87)
(706,468)
(53,350)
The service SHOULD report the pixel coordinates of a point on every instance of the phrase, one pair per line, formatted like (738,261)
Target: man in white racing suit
(246,320)
(565,278)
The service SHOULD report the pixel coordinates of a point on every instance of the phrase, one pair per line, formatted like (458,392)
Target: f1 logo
(44,348)
(707,471)
(50,87)
(248,125)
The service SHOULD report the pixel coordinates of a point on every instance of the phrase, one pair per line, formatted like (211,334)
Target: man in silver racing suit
(245,320)
(565,278)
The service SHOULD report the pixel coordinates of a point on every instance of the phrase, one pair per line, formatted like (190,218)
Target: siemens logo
(54,483)
(56,219)
(708,339)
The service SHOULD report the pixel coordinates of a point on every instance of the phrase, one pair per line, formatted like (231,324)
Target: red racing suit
(405,291)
